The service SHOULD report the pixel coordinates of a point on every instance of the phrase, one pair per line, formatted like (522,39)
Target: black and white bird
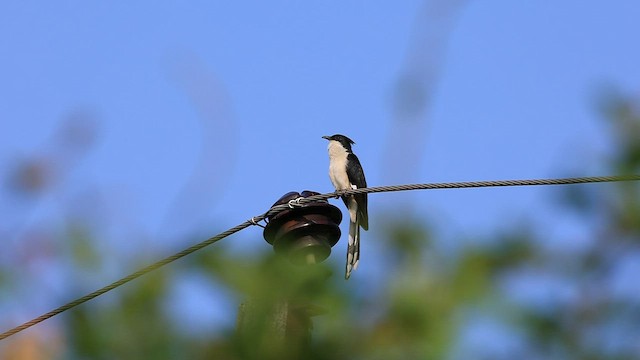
(345,173)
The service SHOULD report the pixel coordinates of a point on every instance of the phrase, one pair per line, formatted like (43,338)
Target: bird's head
(343,140)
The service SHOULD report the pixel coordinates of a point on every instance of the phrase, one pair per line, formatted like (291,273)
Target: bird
(345,172)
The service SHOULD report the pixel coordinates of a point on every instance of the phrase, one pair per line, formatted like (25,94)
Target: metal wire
(279,208)
(125,279)
(458,185)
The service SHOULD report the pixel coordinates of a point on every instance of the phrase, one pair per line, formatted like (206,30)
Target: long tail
(353,248)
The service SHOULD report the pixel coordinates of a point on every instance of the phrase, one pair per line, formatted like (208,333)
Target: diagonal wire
(301,201)
(125,279)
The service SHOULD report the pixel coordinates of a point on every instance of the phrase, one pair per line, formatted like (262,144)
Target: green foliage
(419,309)
(133,327)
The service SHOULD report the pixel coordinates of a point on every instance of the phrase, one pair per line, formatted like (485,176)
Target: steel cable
(301,201)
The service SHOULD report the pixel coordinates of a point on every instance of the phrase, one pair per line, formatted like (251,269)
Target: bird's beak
(325,137)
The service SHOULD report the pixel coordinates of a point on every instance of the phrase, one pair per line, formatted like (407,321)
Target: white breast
(338,166)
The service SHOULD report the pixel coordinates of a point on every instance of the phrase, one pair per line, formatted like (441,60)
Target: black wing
(356,177)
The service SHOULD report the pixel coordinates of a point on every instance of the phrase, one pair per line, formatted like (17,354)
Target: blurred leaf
(31,177)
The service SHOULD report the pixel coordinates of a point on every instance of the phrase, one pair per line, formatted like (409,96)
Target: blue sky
(249,88)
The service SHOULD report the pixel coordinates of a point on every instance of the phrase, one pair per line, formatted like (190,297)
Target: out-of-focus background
(130,131)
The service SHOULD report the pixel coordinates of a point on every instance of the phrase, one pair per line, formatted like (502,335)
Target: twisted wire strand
(279,208)
(125,280)
(458,185)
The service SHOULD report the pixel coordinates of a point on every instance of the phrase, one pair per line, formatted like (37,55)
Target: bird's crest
(343,140)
